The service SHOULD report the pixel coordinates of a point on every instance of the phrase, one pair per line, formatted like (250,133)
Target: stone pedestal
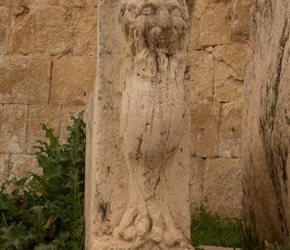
(137,163)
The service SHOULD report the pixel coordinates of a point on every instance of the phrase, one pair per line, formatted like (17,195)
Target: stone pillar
(266,124)
(137,165)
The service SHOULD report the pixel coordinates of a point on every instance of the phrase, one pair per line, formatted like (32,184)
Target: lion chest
(154,115)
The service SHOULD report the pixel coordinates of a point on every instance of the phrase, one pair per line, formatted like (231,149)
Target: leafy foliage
(46,212)
(276,246)
(210,229)
(250,234)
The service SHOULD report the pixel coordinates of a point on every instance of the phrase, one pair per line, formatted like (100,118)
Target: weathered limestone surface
(21,164)
(230,131)
(47,71)
(4,169)
(205,129)
(20,75)
(13,128)
(48,59)
(202,71)
(219,36)
(266,123)
(196,186)
(224,197)
(146,205)
(76,72)
(49,115)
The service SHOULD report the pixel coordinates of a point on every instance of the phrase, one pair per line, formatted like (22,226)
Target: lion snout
(158,37)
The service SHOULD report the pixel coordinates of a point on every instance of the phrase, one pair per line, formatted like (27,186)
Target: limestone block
(241,20)
(46,29)
(230,130)
(202,76)
(215,25)
(8,3)
(198,12)
(66,112)
(24,80)
(85,32)
(44,2)
(228,84)
(4,27)
(74,3)
(223,185)
(37,115)
(137,167)
(195,38)
(266,123)
(204,129)
(233,55)
(72,79)
(200,7)
(66,3)
(4,167)
(196,182)
(22,164)
(13,128)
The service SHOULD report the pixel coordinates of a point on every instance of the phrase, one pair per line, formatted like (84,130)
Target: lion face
(160,25)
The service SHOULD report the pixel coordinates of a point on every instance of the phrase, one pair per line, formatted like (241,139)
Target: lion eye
(176,12)
(147,11)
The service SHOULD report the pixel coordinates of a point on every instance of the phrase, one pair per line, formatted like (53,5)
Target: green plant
(46,212)
(250,235)
(276,246)
(210,229)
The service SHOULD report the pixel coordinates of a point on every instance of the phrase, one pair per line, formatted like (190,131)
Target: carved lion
(152,28)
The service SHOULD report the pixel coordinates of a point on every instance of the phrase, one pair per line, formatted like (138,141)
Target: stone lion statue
(155,28)
(153,116)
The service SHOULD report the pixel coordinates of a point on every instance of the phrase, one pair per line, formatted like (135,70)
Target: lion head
(153,28)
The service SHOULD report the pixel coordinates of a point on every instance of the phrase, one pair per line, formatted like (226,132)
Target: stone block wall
(220,35)
(47,71)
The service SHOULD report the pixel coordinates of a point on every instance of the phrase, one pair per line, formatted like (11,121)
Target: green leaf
(47,211)
(16,235)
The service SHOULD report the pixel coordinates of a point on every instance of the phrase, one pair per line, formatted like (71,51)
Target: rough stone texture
(228,84)
(4,27)
(65,119)
(42,42)
(215,26)
(230,130)
(42,30)
(151,140)
(241,20)
(219,36)
(4,167)
(24,80)
(37,115)
(21,164)
(202,71)
(73,78)
(48,58)
(196,182)
(204,128)
(13,129)
(221,185)
(232,55)
(266,123)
